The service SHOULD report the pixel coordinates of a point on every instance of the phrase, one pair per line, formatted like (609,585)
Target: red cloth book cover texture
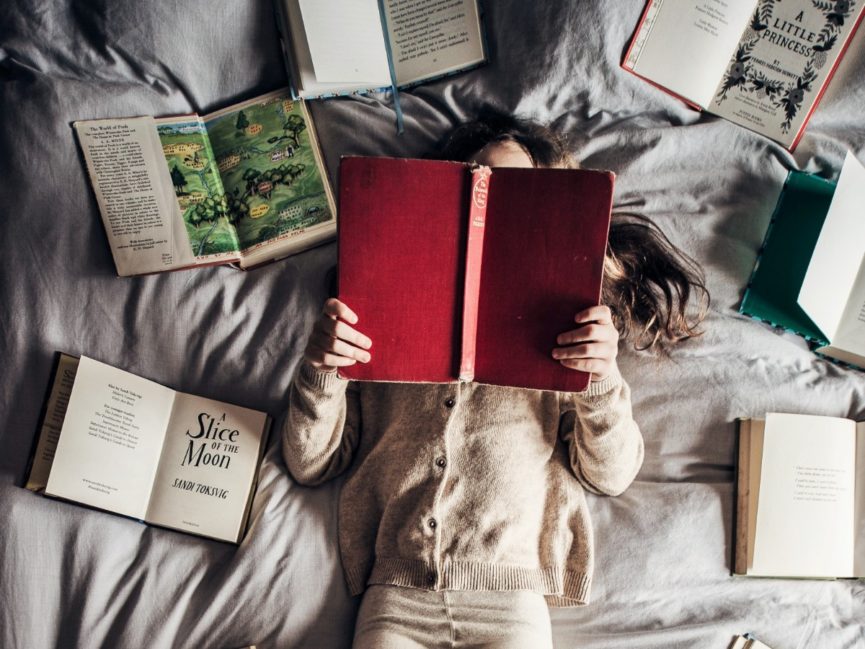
(542,263)
(401,252)
(403,235)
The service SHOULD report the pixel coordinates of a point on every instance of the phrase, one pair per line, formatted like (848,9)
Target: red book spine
(474,255)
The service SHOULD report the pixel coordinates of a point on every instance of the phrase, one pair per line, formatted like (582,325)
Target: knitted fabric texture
(464,486)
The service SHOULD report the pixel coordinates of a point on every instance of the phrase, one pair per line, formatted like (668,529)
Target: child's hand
(592,346)
(333,343)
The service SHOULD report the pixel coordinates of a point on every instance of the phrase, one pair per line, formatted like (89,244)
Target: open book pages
(762,64)
(345,46)
(833,290)
(810,274)
(801,497)
(118,442)
(244,185)
(135,195)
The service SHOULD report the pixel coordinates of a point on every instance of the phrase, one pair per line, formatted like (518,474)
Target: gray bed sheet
(72,577)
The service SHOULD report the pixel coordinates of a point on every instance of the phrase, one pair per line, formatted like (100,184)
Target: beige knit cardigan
(464,486)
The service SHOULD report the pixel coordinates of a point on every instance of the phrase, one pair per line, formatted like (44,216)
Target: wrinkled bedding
(72,577)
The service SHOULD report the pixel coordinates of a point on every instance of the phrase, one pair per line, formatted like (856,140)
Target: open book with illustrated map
(243,185)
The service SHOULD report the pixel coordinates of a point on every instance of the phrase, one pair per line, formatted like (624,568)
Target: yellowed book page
(755,463)
(805,508)
(208,466)
(111,439)
(428,39)
(49,432)
(684,45)
(134,192)
(859,516)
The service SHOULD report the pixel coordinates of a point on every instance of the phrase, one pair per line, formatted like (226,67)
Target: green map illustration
(249,178)
(198,187)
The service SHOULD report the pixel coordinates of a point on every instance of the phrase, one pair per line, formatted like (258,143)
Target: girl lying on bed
(464,515)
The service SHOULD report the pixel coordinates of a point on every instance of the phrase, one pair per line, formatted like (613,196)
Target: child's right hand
(334,342)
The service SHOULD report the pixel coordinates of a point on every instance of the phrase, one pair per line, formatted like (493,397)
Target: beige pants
(392,617)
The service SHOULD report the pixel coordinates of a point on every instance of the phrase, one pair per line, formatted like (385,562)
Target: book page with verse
(804,522)
(428,39)
(111,439)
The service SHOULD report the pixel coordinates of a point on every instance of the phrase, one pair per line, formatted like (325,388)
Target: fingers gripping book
(463,272)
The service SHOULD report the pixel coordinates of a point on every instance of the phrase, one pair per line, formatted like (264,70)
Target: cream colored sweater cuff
(600,388)
(327,383)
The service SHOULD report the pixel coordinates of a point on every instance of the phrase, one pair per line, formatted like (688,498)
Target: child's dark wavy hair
(649,283)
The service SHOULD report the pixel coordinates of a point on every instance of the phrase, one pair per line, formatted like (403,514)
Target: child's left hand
(592,346)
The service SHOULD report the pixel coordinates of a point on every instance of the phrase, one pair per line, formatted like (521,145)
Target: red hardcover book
(460,272)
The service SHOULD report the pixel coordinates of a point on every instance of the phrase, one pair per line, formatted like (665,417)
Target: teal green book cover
(773,290)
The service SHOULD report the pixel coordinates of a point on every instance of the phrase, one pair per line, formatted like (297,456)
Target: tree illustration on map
(198,186)
(270,176)
(244,177)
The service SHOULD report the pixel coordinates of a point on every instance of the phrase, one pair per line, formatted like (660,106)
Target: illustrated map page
(266,158)
(198,186)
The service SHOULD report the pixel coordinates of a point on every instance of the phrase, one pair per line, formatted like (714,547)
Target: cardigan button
(431,578)
(441,462)
(450,403)
(432,523)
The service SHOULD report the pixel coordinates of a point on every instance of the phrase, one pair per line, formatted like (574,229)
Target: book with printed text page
(800,497)
(462,272)
(810,275)
(118,442)
(762,64)
(244,185)
(337,47)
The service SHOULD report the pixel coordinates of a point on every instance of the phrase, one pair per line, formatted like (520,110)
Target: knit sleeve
(604,443)
(321,428)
